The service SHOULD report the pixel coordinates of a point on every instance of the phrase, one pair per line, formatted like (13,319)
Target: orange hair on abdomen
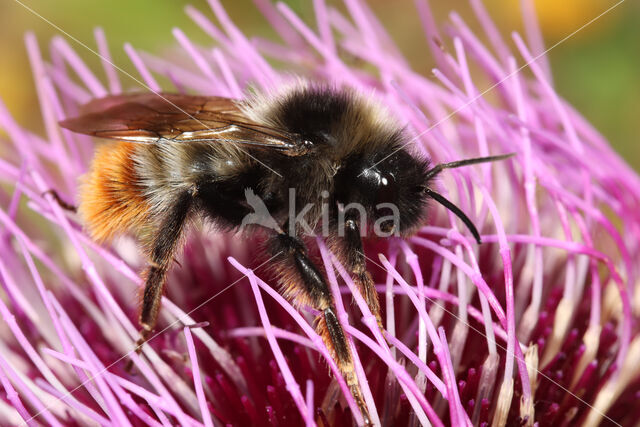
(111,197)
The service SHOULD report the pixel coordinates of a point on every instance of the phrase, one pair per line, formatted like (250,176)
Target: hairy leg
(304,284)
(162,246)
(351,254)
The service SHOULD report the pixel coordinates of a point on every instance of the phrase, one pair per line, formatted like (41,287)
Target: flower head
(537,324)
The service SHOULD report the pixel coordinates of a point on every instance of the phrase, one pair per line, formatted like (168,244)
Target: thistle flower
(538,324)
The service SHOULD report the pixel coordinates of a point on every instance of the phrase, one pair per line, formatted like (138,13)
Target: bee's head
(394,189)
(390,187)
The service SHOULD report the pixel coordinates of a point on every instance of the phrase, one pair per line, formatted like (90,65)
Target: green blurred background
(597,70)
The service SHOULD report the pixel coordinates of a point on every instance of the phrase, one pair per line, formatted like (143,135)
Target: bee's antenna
(446,203)
(456,210)
(437,168)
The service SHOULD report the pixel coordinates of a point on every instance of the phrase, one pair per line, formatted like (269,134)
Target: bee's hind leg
(60,201)
(304,284)
(163,245)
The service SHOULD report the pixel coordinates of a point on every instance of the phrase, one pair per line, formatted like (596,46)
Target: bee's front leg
(304,285)
(351,254)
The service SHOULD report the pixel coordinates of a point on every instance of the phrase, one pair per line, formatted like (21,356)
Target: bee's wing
(156,118)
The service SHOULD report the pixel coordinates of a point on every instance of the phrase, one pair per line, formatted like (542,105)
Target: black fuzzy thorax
(357,154)
(351,136)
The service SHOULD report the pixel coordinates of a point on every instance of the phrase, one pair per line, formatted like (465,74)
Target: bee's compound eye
(387,189)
